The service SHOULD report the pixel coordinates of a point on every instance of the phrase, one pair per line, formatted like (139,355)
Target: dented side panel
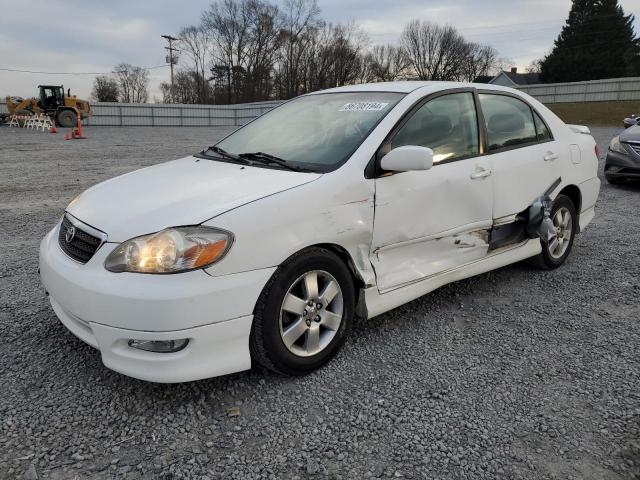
(521,175)
(427,222)
(422,259)
(335,211)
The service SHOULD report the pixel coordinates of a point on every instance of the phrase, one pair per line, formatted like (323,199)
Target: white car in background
(344,202)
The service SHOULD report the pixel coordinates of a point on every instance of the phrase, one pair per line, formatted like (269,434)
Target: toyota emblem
(70,234)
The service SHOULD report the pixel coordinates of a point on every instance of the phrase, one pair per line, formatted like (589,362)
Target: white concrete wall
(612,89)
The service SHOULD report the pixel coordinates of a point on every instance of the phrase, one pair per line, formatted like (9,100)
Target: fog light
(159,346)
(613,168)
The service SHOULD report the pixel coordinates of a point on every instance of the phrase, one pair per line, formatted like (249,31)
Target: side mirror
(408,158)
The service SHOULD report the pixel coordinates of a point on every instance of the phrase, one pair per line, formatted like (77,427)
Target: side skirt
(378,303)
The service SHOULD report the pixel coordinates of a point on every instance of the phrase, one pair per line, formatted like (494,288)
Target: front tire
(303,314)
(565,220)
(67,119)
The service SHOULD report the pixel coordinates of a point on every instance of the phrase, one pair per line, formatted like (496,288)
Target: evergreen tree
(597,41)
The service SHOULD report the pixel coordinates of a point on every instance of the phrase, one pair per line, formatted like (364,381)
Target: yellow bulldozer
(63,109)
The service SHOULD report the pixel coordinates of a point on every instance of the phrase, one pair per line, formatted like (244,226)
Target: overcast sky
(81,36)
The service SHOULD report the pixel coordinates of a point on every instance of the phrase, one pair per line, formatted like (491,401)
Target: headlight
(170,251)
(616,146)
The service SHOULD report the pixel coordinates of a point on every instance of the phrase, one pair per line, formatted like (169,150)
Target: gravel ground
(518,373)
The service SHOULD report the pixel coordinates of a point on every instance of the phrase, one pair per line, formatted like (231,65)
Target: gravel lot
(518,373)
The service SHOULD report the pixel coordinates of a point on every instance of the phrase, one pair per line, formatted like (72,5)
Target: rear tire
(67,119)
(565,219)
(303,314)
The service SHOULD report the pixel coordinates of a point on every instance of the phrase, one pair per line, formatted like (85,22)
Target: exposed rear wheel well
(574,195)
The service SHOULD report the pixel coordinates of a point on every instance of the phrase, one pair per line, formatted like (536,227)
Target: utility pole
(171,59)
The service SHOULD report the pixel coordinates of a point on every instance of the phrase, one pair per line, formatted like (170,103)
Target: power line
(15,70)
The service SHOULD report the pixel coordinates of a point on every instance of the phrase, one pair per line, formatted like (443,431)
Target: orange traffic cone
(67,137)
(77,132)
(53,127)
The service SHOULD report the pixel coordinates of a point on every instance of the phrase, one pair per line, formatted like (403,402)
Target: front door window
(448,125)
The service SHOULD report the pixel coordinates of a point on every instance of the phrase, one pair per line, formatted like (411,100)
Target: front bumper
(618,165)
(107,309)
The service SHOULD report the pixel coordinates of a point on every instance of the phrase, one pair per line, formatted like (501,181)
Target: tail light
(597,149)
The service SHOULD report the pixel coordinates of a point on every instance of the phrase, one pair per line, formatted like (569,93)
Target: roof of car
(410,86)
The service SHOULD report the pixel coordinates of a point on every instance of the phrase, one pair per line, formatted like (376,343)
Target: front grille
(81,245)
(635,147)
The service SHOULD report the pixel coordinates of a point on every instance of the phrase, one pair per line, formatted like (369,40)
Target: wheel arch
(574,194)
(343,254)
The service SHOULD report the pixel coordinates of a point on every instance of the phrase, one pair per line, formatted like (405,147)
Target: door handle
(480,174)
(550,157)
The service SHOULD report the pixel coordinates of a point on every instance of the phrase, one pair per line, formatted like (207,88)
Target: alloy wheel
(564,230)
(311,313)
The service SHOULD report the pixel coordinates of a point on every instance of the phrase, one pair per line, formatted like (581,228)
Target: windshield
(317,132)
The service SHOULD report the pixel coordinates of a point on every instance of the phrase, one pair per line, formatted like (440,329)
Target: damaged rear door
(525,158)
(427,222)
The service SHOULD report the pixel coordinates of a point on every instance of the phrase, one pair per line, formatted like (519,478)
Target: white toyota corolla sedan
(341,203)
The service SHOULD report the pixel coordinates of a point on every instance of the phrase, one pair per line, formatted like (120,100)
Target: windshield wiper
(224,153)
(268,158)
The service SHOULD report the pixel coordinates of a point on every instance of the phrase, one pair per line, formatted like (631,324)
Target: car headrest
(436,126)
(506,123)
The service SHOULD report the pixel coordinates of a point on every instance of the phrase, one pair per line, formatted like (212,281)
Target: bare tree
(265,37)
(299,32)
(259,49)
(105,89)
(245,35)
(186,88)
(480,60)
(535,66)
(133,83)
(226,23)
(385,63)
(435,52)
(343,55)
(195,43)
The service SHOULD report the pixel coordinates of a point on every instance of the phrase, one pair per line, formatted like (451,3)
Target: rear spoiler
(580,129)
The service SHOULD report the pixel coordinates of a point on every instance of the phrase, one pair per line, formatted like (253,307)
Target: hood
(181,192)
(631,134)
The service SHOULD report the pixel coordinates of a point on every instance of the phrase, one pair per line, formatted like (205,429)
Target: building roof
(522,78)
(484,79)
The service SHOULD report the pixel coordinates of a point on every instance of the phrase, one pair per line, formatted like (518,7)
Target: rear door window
(544,135)
(509,122)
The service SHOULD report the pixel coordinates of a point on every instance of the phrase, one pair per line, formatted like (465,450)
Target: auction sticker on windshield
(363,107)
